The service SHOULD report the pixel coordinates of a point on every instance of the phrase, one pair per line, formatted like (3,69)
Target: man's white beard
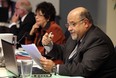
(74,37)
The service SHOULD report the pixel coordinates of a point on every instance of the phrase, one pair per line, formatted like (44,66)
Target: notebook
(3,14)
(11,62)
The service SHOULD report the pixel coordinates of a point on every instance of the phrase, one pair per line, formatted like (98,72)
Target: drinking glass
(26,68)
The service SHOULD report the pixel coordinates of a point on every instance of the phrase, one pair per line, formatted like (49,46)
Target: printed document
(32,50)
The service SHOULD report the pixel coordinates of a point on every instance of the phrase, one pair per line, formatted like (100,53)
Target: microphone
(25,34)
(15,42)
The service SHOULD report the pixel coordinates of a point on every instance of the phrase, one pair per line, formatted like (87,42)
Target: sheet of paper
(32,50)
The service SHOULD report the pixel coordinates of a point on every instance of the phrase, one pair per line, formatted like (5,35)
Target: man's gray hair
(25,5)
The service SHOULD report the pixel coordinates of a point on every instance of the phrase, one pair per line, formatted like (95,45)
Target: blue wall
(67,5)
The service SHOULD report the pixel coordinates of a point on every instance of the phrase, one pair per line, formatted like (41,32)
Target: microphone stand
(15,42)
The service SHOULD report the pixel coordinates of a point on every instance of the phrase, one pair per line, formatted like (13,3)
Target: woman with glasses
(45,23)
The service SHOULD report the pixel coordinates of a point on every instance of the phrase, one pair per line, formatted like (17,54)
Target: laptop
(3,14)
(11,62)
(9,57)
(5,36)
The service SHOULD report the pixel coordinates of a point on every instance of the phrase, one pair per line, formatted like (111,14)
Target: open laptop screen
(7,37)
(9,56)
(11,62)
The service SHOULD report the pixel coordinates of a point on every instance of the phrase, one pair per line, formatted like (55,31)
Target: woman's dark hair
(47,9)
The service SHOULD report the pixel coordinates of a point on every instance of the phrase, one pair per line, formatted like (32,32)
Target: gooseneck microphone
(24,35)
(15,42)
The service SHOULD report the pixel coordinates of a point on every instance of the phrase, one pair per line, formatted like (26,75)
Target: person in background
(22,20)
(89,52)
(45,23)
(10,5)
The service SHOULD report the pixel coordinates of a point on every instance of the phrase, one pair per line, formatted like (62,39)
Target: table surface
(6,74)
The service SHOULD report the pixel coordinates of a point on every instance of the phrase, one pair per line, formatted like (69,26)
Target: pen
(50,34)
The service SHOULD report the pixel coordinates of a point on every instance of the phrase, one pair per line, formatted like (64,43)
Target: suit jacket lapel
(78,52)
(81,49)
(70,45)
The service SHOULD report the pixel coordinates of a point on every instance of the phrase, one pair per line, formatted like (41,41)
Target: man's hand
(15,18)
(47,64)
(47,39)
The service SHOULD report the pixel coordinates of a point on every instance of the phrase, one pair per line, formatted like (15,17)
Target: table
(4,24)
(35,65)
(6,74)
(59,76)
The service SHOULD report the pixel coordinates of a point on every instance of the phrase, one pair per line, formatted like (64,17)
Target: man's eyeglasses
(16,8)
(74,23)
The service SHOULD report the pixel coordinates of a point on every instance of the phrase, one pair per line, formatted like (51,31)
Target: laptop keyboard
(41,75)
(36,72)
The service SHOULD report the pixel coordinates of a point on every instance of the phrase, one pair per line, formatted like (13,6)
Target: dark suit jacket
(95,57)
(24,28)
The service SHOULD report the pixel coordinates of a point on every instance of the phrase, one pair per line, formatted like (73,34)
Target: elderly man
(22,20)
(89,52)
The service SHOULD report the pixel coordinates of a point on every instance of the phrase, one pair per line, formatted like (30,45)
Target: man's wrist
(48,48)
(12,24)
(54,69)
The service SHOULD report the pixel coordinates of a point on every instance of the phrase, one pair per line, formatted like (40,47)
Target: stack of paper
(33,51)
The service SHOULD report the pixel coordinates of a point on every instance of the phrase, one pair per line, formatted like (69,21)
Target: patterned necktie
(75,50)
